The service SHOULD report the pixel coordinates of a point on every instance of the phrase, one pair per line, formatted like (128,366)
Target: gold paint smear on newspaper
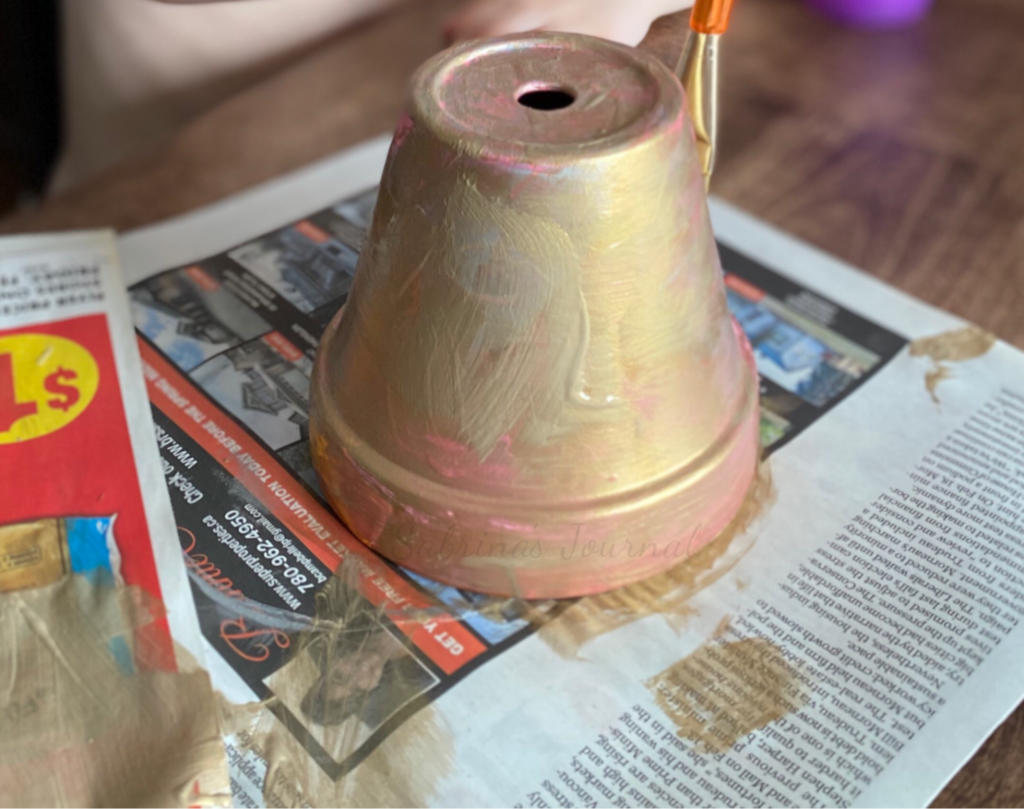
(726,690)
(411,765)
(240,718)
(81,725)
(347,675)
(932,379)
(667,594)
(722,629)
(403,771)
(967,343)
(959,345)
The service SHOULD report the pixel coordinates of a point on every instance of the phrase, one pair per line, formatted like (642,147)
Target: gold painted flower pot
(535,388)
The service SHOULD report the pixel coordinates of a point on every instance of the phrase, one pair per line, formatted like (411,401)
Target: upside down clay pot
(535,388)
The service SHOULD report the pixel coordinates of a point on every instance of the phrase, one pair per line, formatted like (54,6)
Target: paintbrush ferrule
(699,75)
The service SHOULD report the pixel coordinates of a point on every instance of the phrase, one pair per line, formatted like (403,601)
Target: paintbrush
(699,75)
(696,65)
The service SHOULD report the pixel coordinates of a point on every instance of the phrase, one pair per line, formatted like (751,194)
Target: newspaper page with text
(100,646)
(850,640)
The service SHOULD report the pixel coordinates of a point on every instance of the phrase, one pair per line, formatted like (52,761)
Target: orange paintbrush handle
(711,16)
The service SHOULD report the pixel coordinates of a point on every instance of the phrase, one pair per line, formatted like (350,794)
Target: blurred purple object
(873,13)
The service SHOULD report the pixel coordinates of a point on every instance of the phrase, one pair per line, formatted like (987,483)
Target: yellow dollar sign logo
(46,382)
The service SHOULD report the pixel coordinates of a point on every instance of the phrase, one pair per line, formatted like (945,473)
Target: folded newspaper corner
(104,699)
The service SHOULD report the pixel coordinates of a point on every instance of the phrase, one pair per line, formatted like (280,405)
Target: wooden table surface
(900,152)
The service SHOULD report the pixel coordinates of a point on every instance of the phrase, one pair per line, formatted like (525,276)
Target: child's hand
(622,20)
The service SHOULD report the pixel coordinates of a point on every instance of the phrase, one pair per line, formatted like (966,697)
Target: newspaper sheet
(99,644)
(849,641)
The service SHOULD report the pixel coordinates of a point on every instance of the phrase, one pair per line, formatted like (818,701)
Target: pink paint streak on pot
(535,388)
(873,13)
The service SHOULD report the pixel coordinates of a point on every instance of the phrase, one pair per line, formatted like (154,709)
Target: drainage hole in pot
(546,99)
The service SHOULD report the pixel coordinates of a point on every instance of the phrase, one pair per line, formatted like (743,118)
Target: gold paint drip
(958,345)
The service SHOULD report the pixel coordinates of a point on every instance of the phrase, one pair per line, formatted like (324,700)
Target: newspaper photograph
(100,647)
(849,640)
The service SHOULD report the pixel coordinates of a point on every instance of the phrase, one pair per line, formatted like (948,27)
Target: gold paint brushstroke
(754,685)
(415,761)
(404,771)
(80,730)
(667,593)
(346,649)
(958,345)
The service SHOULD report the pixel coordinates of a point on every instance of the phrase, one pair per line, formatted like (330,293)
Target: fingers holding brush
(624,21)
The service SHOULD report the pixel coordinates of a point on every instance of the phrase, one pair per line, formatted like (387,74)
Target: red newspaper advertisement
(105,702)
